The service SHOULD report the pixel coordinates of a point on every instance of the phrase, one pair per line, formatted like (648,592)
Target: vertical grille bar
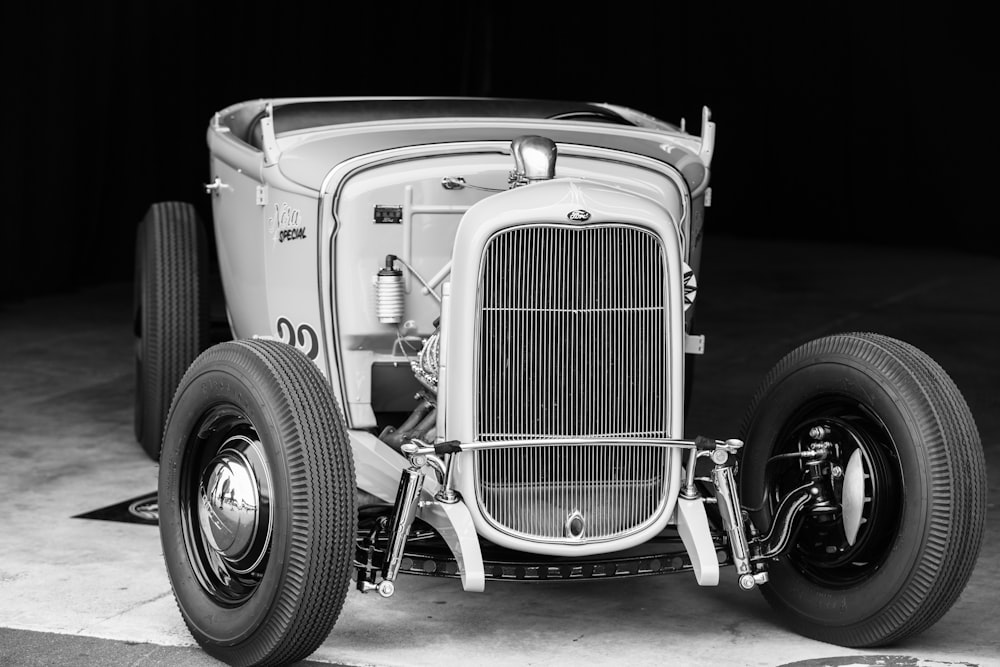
(572,343)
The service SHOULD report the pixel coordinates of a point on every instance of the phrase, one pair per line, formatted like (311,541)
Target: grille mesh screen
(572,343)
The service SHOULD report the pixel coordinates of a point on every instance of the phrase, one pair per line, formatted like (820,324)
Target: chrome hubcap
(231,513)
(228,503)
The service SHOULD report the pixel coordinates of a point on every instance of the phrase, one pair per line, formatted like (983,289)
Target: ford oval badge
(579,215)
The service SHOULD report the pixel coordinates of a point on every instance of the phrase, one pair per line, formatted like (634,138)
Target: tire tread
(174,312)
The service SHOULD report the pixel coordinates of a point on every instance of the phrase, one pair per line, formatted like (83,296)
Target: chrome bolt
(747,582)
(386,589)
(446,496)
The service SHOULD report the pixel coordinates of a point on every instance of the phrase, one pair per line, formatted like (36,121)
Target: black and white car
(460,333)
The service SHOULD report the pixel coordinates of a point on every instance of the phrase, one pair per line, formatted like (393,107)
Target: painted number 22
(304,337)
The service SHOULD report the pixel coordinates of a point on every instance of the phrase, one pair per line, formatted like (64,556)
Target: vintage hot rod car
(457,343)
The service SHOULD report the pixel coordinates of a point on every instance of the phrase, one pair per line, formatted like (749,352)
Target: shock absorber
(389,294)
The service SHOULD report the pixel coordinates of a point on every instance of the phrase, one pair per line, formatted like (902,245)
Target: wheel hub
(839,549)
(229,503)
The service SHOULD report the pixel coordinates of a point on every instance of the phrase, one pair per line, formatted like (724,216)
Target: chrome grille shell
(549,203)
(572,341)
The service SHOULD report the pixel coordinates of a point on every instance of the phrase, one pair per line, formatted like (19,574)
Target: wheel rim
(225,505)
(823,551)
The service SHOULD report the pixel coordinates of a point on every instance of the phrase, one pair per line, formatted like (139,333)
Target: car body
(461,341)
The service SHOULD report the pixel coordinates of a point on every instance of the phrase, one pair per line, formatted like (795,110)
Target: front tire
(896,558)
(257,503)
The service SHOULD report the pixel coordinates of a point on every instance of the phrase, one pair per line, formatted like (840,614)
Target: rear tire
(257,503)
(170,311)
(921,522)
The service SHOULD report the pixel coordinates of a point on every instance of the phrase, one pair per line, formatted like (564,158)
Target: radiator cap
(534,159)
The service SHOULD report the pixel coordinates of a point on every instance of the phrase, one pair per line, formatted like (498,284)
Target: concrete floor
(66,447)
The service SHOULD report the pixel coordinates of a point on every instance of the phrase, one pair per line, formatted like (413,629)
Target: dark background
(841,121)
